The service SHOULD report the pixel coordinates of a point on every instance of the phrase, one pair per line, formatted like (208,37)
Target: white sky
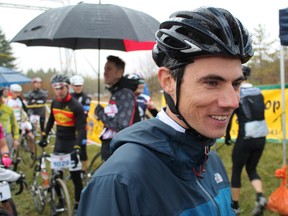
(250,13)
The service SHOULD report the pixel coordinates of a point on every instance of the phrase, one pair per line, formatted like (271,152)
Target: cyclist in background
(9,123)
(77,83)
(20,111)
(144,100)
(5,159)
(36,99)
(70,120)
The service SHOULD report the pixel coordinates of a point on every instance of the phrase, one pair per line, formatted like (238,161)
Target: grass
(270,161)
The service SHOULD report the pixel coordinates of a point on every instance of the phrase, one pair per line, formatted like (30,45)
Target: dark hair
(119,63)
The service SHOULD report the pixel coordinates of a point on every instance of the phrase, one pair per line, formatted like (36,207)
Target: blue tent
(9,76)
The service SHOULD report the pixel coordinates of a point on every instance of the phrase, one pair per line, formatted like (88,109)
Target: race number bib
(59,162)
(5,192)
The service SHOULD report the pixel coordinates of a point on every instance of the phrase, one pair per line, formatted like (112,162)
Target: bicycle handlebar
(21,181)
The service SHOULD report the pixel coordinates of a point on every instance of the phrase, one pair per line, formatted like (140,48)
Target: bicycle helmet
(206,31)
(246,71)
(15,88)
(77,80)
(59,80)
(36,79)
(137,77)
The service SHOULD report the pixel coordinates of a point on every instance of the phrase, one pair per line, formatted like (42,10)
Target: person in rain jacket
(164,166)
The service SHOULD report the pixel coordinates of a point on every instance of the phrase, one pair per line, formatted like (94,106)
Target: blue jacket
(151,173)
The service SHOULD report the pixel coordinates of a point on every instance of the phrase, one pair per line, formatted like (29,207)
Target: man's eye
(237,85)
(212,83)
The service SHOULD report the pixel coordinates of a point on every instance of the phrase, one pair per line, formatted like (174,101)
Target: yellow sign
(94,127)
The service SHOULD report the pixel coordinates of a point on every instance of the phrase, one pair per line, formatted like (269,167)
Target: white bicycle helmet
(77,80)
(15,88)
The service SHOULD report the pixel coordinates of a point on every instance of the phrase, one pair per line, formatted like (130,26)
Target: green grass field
(271,160)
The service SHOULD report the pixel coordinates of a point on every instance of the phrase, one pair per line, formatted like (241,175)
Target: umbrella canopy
(91,26)
(9,76)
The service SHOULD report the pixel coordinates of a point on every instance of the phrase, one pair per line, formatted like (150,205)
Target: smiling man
(164,166)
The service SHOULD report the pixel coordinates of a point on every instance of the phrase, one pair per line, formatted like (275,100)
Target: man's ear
(166,80)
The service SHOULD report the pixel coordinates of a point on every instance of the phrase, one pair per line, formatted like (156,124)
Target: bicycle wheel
(25,152)
(63,197)
(96,162)
(8,206)
(14,155)
(37,190)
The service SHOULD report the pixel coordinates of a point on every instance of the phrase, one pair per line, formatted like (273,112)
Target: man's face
(15,94)
(111,73)
(210,91)
(140,89)
(61,92)
(36,85)
(77,88)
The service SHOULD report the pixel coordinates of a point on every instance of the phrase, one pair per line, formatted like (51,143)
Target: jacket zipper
(210,197)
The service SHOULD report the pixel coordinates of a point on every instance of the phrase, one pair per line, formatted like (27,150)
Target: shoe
(60,207)
(236,211)
(259,207)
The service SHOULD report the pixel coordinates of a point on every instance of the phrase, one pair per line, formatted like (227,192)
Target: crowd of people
(162,166)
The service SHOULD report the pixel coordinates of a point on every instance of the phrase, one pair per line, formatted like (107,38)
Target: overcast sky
(12,20)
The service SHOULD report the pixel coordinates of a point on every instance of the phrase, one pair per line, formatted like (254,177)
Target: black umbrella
(91,26)
(9,76)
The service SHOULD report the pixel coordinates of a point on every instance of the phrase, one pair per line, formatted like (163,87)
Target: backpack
(253,106)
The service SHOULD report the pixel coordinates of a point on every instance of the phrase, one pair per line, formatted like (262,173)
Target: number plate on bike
(60,161)
(5,192)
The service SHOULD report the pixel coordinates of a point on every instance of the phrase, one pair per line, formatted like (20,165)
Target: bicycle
(7,207)
(42,186)
(95,163)
(25,152)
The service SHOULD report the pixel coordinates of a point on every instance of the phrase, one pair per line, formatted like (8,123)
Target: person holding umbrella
(122,110)
(164,166)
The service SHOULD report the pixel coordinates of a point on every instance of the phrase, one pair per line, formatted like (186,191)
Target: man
(249,144)
(143,100)
(164,166)
(77,83)
(36,99)
(9,123)
(122,110)
(16,103)
(68,114)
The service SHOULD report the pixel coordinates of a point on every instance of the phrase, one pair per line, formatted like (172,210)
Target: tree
(6,54)
(265,62)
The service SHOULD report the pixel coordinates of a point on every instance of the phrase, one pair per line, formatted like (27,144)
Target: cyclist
(20,111)
(70,120)
(77,83)
(9,123)
(143,100)
(6,161)
(36,99)
(164,166)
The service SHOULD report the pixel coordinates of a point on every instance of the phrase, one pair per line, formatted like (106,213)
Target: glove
(43,141)
(6,160)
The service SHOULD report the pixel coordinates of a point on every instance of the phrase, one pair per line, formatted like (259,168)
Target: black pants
(105,149)
(67,146)
(246,152)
